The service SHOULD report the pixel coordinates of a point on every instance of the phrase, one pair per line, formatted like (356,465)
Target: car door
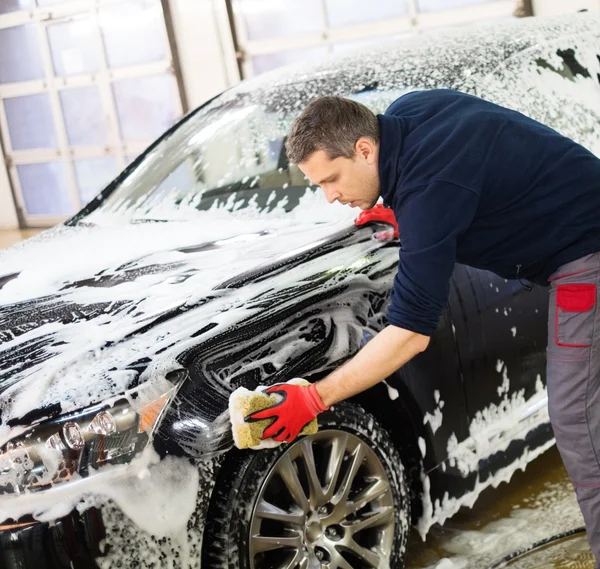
(500,329)
(500,325)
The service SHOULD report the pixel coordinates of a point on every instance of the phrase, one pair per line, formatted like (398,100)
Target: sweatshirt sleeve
(430,220)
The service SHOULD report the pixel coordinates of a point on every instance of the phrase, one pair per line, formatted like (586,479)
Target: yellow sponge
(244,402)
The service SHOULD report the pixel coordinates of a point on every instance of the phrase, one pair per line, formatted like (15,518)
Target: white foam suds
(436,418)
(450,564)
(440,511)
(539,386)
(495,427)
(157,495)
(82,368)
(422,446)
(393,393)
(505,386)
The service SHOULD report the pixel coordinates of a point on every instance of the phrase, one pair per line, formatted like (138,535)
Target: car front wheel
(337,499)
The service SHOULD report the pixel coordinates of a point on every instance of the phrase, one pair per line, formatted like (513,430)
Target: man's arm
(431,218)
(383,355)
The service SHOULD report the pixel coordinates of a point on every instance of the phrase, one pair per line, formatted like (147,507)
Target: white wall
(553,7)
(8,213)
(205,48)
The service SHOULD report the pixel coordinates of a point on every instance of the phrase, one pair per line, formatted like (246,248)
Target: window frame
(52,85)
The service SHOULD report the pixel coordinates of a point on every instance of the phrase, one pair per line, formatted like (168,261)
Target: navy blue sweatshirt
(475,183)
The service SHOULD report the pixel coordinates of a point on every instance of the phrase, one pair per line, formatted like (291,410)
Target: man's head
(335,142)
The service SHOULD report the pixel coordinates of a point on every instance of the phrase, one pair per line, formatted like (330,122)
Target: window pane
(439,5)
(84,116)
(93,175)
(230,159)
(262,63)
(276,18)
(30,122)
(146,106)
(49,2)
(20,58)
(134,33)
(346,12)
(73,46)
(14,5)
(45,188)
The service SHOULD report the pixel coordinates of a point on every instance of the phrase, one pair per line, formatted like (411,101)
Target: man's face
(353,181)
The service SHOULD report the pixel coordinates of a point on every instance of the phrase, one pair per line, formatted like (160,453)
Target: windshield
(228,157)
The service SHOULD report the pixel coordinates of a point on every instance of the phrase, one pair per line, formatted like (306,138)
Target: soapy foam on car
(434,52)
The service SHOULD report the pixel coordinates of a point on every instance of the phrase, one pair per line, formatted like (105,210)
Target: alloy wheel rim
(326,503)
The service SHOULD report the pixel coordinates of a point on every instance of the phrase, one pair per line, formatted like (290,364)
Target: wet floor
(535,504)
(10,237)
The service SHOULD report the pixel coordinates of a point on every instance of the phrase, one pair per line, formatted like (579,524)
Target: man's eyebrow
(327,179)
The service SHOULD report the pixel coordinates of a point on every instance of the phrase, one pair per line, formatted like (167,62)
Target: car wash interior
(163,262)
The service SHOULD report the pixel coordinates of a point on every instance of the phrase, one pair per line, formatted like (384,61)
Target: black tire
(231,514)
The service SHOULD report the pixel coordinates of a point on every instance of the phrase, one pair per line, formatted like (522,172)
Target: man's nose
(331,195)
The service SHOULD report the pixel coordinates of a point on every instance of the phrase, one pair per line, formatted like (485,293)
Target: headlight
(66,448)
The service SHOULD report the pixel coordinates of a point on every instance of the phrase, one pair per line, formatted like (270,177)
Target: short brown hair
(331,124)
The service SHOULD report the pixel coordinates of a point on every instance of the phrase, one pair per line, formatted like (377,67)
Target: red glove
(300,405)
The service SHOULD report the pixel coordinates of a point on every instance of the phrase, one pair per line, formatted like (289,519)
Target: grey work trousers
(573,377)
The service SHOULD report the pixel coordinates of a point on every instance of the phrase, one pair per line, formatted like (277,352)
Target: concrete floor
(535,504)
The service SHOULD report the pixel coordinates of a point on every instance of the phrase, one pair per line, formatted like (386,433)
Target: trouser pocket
(574,317)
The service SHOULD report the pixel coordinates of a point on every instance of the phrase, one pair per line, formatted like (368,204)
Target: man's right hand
(299,406)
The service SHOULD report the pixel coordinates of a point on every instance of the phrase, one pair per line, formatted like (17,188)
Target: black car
(211,263)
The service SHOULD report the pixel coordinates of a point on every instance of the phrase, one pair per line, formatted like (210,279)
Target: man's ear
(365,147)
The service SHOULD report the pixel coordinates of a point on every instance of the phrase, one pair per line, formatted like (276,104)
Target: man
(479,184)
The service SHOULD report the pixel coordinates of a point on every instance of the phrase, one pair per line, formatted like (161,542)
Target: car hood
(83,310)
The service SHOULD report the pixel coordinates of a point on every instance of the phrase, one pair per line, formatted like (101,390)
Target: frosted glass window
(45,189)
(14,5)
(30,122)
(49,2)
(84,116)
(262,63)
(20,58)
(93,175)
(276,18)
(134,33)
(439,5)
(74,47)
(347,12)
(146,106)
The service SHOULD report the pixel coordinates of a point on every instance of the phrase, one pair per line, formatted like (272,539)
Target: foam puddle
(547,511)
(157,495)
